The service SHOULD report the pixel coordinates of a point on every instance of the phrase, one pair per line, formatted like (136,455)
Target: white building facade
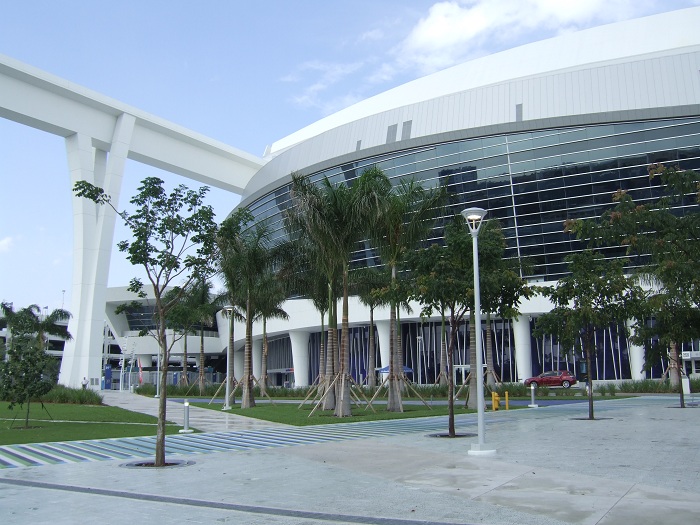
(536,135)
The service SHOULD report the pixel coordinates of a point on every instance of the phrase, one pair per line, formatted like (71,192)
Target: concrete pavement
(202,419)
(639,463)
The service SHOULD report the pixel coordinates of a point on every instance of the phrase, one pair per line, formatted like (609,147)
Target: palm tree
(404,219)
(270,295)
(24,372)
(28,323)
(366,283)
(196,307)
(334,217)
(246,254)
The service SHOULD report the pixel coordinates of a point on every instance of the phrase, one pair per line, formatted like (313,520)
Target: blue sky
(243,72)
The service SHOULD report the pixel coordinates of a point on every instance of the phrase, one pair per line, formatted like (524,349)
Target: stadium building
(535,135)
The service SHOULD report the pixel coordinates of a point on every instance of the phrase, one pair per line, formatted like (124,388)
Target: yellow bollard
(495,401)
(507,407)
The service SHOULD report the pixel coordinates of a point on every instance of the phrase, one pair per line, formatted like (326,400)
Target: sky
(246,73)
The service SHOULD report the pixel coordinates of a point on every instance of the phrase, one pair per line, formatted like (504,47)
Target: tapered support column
(384,337)
(257,357)
(238,358)
(636,354)
(93,237)
(523,346)
(300,357)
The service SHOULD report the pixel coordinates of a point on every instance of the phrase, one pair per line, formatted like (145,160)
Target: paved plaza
(638,463)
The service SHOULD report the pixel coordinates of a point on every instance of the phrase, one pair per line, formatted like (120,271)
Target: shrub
(513,389)
(543,391)
(75,396)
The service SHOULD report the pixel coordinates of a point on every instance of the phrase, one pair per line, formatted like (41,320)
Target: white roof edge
(564,51)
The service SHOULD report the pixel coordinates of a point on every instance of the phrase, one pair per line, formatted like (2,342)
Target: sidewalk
(637,464)
(202,419)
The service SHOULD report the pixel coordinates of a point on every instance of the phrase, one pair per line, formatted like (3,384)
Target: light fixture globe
(474,216)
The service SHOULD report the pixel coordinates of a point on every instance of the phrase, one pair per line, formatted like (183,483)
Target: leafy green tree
(592,296)
(335,217)
(501,285)
(662,238)
(444,282)
(173,240)
(405,215)
(24,373)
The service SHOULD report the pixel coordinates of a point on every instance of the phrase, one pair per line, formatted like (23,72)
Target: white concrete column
(238,362)
(93,236)
(300,357)
(636,354)
(523,346)
(257,357)
(384,338)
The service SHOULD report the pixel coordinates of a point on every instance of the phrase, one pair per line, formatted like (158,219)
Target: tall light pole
(474,217)
(227,403)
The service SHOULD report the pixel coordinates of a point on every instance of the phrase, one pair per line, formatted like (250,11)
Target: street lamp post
(474,217)
(227,403)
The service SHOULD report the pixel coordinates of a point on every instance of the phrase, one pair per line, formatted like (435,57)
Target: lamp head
(474,216)
(228,309)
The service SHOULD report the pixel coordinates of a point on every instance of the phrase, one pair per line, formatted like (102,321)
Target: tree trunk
(372,358)
(322,358)
(588,350)
(183,378)
(473,331)
(675,371)
(331,352)
(160,433)
(450,383)
(342,405)
(263,366)
(26,417)
(394,403)
(490,372)
(247,399)
(445,363)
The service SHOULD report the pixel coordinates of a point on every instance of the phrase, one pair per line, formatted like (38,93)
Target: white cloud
(328,74)
(6,244)
(374,34)
(458,30)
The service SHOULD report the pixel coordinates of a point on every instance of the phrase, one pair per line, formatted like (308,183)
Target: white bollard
(187,429)
(532,397)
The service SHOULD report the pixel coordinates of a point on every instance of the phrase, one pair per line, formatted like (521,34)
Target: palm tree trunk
(183,376)
(263,365)
(394,403)
(322,358)
(372,357)
(342,408)
(331,352)
(247,399)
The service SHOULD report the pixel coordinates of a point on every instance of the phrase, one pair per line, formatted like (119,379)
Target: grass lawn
(291,414)
(70,422)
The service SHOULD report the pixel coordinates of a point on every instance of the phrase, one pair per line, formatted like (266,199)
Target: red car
(556,378)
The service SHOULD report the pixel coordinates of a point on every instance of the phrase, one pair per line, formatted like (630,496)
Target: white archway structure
(101,134)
